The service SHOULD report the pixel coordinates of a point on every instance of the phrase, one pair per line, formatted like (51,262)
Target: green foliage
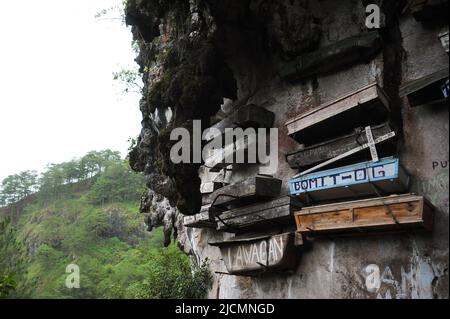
(170,276)
(12,264)
(84,169)
(117,183)
(117,258)
(129,79)
(16,187)
(89,217)
(115,12)
(7,285)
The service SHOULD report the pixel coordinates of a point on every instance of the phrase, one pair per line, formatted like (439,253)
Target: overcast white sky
(58,99)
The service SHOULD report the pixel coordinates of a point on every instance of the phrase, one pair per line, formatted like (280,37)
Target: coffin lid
(327,104)
(418,84)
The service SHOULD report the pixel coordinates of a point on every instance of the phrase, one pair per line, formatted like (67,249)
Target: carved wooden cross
(371,144)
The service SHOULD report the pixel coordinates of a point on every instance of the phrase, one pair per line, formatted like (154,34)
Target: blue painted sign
(363,173)
(445,88)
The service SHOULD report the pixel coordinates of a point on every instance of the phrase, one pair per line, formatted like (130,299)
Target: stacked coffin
(216,192)
(252,255)
(355,49)
(341,190)
(259,218)
(374,214)
(249,116)
(431,89)
(443,36)
(251,209)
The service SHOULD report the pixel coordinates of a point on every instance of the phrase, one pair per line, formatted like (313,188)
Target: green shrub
(7,285)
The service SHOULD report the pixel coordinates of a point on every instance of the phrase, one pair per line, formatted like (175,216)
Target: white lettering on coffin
(267,252)
(361,175)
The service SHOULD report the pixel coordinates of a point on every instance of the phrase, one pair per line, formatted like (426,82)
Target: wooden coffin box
(236,153)
(204,219)
(322,152)
(356,49)
(368,106)
(430,10)
(443,36)
(428,90)
(210,187)
(278,212)
(384,213)
(246,116)
(251,190)
(384,177)
(256,255)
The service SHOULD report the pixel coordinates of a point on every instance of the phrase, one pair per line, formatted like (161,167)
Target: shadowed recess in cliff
(185,74)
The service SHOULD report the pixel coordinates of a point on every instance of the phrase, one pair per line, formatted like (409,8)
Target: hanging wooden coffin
(367,106)
(432,89)
(430,10)
(245,117)
(369,178)
(384,213)
(210,182)
(322,152)
(205,219)
(273,213)
(210,187)
(249,191)
(356,49)
(259,254)
(443,36)
(243,151)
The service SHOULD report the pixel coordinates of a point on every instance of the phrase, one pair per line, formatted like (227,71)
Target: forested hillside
(85,213)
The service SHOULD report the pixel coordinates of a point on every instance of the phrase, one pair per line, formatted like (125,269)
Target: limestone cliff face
(202,59)
(197,57)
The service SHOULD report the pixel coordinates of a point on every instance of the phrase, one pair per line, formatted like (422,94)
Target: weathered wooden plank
(443,36)
(356,49)
(212,181)
(393,212)
(210,187)
(426,90)
(251,190)
(267,214)
(367,106)
(371,144)
(430,10)
(204,219)
(318,153)
(260,254)
(247,116)
(384,177)
(418,84)
(236,153)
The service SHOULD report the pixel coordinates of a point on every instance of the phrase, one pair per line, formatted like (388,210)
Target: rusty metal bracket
(228,227)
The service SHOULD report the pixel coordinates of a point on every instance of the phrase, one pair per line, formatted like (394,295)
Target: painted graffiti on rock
(267,252)
(439,165)
(417,280)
